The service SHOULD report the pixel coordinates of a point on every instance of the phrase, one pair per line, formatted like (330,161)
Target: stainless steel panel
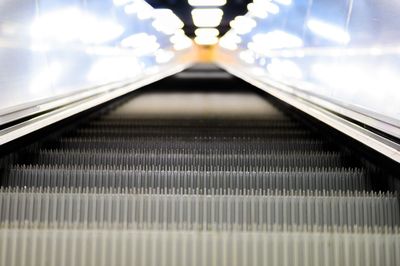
(344,51)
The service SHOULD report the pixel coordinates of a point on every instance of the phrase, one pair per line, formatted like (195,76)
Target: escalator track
(195,178)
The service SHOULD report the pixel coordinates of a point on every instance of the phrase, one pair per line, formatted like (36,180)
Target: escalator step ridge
(204,144)
(284,159)
(284,208)
(143,247)
(275,178)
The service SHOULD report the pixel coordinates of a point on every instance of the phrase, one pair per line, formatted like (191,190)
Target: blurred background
(342,51)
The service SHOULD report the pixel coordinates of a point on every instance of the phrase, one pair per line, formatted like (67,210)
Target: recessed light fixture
(206,40)
(206,32)
(207,17)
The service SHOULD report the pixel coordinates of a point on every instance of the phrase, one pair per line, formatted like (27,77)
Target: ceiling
(181,8)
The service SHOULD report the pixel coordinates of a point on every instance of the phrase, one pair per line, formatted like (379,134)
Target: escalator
(194,171)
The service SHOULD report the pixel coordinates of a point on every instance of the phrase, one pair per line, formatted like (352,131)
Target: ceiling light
(142,9)
(257,11)
(207,17)
(243,24)
(230,41)
(207,2)
(207,32)
(180,41)
(206,40)
(166,21)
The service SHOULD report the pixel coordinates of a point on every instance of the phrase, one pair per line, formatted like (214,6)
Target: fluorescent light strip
(207,2)
(206,40)
(207,32)
(207,17)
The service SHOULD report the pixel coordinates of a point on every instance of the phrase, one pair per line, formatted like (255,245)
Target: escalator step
(82,207)
(180,248)
(343,179)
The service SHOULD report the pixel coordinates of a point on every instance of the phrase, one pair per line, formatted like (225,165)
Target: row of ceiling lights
(207,16)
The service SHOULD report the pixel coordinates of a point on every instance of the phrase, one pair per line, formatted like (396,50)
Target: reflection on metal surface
(327,31)
(345,52)
(71,24)
(318,109)
(75,104)
(54,48)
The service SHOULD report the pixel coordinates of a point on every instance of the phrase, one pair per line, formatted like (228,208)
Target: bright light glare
(264,42)
(224,43)
(257,71)
(206,40)
(257,11)
(101,32)
(207,2)
(147,50)
(73,25)
(121,2)
(243,24)
(141,43)
(163,56)
(137,40)
(114,69)
(272,8)
(180,41)
(328,31)
(284,2)
(231,35)
(166,21)
(206,32)
(207,17)
(230,41)
(247,56)
(47,78)
(142,9)
(374,86)
(284,68)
